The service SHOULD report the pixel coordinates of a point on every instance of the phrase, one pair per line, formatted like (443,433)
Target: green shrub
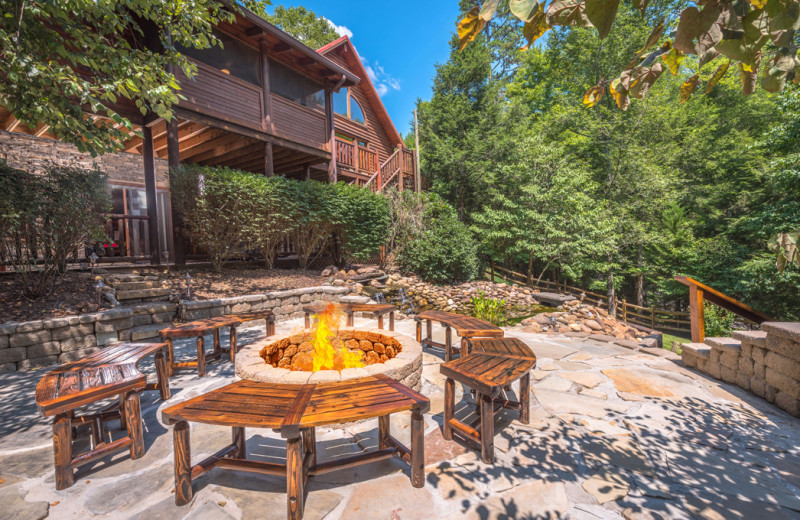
(364,220)
(442,250)
(274,216)
(489,309)
(46,218)
(719,322)
(218,206)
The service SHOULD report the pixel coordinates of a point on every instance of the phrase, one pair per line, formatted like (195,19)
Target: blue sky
(400,42)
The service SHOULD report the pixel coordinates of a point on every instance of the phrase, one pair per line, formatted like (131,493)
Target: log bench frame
(110,372)
(489,370)
(198,329)
(294,411)
(379,310)
(466,327)
(267,315)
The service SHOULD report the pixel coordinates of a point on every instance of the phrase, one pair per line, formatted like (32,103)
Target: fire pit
(328,353)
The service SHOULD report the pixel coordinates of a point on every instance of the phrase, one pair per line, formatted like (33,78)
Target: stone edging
(405,367)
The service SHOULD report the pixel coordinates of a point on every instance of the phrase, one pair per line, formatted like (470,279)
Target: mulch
(74,294)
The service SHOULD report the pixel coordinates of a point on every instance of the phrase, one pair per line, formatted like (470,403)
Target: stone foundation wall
(765,362)
(33,344)
(31,153)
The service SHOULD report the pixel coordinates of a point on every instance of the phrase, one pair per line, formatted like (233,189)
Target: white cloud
(341,30)
(383,81)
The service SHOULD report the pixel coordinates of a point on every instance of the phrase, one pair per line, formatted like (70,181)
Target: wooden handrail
(699,292)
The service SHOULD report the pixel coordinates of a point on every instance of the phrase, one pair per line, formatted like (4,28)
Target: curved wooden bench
(376,309)
(490,369)
(465,327)
(198,329)
(110,372)
(294,411)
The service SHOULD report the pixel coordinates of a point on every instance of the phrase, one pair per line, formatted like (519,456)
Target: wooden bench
(267,315)
(466,327)
(108,373)
(295,411)
(198,329)
(376,309)
(490,369)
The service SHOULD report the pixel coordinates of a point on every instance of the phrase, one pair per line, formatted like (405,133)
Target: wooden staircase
(398,170)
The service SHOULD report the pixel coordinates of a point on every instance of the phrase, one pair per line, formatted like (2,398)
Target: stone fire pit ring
(405,367)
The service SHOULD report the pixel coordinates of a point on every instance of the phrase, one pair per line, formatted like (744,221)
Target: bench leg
(310,445)
(62,450)
(217,343)
(294,478)
(449,405)
(350,319)
(417,450)
(97,432)
(133,418)
(419,332)
(487,428)
(239,441)
(232,344)
(201,356)
(384,431)
(271,327)
(123,424)
(162,371)
(525,399)
(183,464)
(448,344)
(429,330)
(380,322)
(391,321)
(170,357)
(308,320)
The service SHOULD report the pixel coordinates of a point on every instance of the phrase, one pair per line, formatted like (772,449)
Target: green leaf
(535,27)
(488,9)
(602,13)
(619,92)
(673,60)
(523,9)
(594,95)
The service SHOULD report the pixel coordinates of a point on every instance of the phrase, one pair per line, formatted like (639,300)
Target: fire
(328,356)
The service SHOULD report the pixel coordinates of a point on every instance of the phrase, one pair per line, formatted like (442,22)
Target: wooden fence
(651,317)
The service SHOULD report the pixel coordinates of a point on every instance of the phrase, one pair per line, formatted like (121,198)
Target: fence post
(491,265)
(653,317)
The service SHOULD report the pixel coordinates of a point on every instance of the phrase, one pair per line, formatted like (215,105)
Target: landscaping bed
(74,294)
(239,280)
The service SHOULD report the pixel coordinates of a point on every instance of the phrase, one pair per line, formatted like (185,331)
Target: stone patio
(615,433)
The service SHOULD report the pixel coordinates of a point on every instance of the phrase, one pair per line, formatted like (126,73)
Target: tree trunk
(612,308)
(640,278)
(530,269)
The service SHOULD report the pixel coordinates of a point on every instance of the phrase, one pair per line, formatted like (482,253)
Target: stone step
(700,350)
(142,294)
(754,337)
(135,286)
(729,345)
(116,278)
(148,332)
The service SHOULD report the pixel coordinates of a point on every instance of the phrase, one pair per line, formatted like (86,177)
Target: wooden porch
(359,165)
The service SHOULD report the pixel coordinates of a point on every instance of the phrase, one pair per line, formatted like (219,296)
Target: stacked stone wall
(33,344)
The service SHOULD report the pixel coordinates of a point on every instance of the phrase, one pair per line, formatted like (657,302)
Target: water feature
(394,294)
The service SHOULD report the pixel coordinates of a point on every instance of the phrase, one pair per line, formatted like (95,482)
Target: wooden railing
(650,317)
(357,157)
(699,292)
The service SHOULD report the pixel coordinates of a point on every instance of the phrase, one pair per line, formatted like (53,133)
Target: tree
(62,60)
(748,34)
(303,24)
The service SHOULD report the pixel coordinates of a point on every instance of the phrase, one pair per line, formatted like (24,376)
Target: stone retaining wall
(33,344)
(765,362)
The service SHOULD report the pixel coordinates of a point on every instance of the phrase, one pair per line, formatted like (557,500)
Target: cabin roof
(369,88)
(283,47)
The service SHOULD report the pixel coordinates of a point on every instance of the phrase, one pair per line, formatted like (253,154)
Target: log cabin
(263,102)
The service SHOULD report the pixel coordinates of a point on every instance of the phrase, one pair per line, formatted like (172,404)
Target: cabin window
(292,85)
(234,58)
(345,104)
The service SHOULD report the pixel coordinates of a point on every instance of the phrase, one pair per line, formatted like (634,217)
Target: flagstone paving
(614,434)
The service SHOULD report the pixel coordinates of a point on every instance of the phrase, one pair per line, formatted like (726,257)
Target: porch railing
(351,155)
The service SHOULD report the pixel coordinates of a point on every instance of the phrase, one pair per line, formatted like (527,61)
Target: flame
(326,355)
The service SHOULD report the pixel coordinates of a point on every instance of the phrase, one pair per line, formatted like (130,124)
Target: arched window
(356,114)
(345,104)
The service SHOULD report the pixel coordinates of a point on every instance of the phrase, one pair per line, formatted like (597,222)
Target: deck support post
(332,174)
(173,156)
(150,190)
(269,162)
